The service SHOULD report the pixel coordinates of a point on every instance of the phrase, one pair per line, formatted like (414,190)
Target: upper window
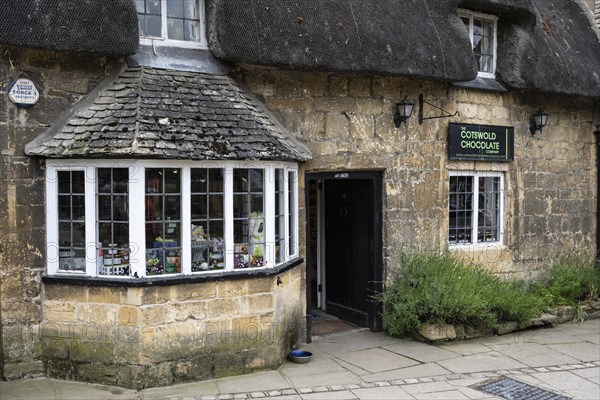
(176,22)
(475,208)
(482,32)
(153,218)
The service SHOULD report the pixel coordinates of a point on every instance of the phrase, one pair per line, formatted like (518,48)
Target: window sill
(479,244)
(481,83)
(178,58)
(175,280)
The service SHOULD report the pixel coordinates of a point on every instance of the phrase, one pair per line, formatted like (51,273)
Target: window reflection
(71,220)
(163,221)
(248,218)
(208,240)
(112,203)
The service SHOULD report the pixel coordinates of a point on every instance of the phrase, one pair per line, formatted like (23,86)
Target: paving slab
(588,372)
(54,389)
(563,380)
(451,394)
(578,328)
(590,338)
(430,387)
(351,367)
(320,371)
(341,395)
(583,394)
(182,390)
(353,341)
(382,393)
(417,371)
(535,355)
(465,348)
(475,394)
(422,352)
(490,361)
(580,351)
(377,360)
(260,381)
(551,336)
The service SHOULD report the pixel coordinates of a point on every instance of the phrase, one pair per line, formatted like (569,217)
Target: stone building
(184,181)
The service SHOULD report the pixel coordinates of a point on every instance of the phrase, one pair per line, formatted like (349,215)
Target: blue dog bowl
(300,356)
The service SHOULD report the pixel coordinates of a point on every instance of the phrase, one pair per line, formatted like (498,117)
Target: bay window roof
(141,112)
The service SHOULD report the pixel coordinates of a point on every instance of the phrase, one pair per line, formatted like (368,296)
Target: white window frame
(475,208)
(489,18)
(137,217)
(164,41)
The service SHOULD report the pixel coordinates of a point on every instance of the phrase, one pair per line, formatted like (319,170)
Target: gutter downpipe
(597,133)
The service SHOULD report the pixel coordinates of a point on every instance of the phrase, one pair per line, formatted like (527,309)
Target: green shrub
(569,281)
(438,288)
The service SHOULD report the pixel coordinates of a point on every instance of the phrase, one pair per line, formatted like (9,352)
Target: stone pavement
(360,364)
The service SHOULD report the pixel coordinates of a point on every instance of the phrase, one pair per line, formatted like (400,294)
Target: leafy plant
(438,288)
(569,281)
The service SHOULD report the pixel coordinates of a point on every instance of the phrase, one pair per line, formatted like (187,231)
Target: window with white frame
(175,22)
(144,219)
(482,33)
(475,206)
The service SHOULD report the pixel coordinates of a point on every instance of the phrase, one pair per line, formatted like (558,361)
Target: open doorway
(344,245)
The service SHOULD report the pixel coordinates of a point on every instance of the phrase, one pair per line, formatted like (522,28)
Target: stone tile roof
(164,114)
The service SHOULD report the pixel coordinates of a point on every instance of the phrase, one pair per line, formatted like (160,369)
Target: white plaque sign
(23,93)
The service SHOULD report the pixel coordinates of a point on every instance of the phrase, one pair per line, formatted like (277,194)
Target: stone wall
(159,335)
(61,80)
(347,122)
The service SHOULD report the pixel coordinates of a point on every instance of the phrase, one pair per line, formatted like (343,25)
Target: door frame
(375,274)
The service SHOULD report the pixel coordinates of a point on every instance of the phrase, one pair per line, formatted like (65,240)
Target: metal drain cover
(514,390)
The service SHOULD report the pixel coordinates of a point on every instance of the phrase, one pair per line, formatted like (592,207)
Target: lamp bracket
(445,114)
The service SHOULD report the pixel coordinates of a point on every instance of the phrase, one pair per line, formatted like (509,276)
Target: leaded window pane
(207,233)
(71,220)
(112,204)
(474,209)
(280,250)
(163,221)
(461,209)
(292,239)
(249,222)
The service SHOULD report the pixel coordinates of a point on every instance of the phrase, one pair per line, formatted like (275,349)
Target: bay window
(144,219)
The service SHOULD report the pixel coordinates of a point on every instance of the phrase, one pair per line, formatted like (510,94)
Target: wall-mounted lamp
(403,111)
(538,121)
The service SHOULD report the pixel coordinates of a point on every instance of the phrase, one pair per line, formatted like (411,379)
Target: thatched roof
(545,45)
(98,26)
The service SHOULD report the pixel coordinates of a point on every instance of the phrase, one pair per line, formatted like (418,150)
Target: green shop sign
(481,142)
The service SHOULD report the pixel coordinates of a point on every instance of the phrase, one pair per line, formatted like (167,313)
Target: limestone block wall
(159,335)
(347,122)
(62,80)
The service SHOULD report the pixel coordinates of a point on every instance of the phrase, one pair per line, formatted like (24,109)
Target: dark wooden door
(348,248)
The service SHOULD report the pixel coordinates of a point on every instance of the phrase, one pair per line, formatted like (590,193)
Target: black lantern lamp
(538,121)
(403,111)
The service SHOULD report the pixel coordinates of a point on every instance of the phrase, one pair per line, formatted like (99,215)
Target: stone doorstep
(436,333)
